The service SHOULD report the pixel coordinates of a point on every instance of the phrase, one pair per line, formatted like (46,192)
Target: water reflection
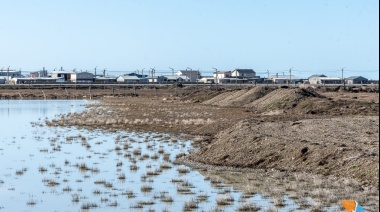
(46,168)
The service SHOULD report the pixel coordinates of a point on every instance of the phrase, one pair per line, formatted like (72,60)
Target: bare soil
(344,147)
(331,132)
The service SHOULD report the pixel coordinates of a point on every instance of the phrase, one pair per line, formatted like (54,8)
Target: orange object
(349,205)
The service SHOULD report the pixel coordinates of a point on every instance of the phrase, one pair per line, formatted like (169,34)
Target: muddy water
(69,169)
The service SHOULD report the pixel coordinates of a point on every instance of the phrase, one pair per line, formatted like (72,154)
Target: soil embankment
(340,138)
(344,147)
(309,130)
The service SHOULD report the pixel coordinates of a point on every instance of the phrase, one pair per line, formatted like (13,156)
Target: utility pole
(268,77)
(216,79)
(104,73)
(343,82)
(172,70)
(8,73)
(290,75)
(142,71)
(236,75)
(95,71)
(198,77)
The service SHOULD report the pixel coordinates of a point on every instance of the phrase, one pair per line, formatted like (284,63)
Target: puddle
(70,169)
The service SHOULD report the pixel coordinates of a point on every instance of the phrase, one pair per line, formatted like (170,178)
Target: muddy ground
(318,131)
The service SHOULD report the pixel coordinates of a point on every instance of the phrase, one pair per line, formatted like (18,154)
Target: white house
(315,80)
(284,79)
(220,75)
(243,73)
(192,75)
(131,80)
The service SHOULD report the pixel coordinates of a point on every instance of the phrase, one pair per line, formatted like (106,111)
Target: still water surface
(69,169)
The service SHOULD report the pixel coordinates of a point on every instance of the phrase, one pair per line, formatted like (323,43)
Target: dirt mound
(344,147)
(282,99)
(219,98)
(228,101)
(239,98)
(251,95)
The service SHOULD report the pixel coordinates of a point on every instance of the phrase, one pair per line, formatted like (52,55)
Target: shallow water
(69,169)
(39,165)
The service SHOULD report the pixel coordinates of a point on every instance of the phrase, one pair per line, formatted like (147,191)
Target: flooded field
(69,169)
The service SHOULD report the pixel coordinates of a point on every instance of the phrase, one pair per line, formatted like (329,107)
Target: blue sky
(124,35)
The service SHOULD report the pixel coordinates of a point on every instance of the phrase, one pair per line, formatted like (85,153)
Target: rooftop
(245,70)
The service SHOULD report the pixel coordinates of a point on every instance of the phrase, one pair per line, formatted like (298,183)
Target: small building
(220,75)
(175,78)
(193,76)
(284,79)
(315,78)
(132,80)
(207,80)
(66,75)
(105,79)
(157,79)
(23,80)
(356,80)
(47,80)
(9,74)
(241,76)
(82,77)
(243,73)
(38,80)
(236,80)
(322,79)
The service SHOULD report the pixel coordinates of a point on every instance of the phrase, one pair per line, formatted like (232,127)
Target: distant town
(237,76)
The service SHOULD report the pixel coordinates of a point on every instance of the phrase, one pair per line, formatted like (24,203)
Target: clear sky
(124,35)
